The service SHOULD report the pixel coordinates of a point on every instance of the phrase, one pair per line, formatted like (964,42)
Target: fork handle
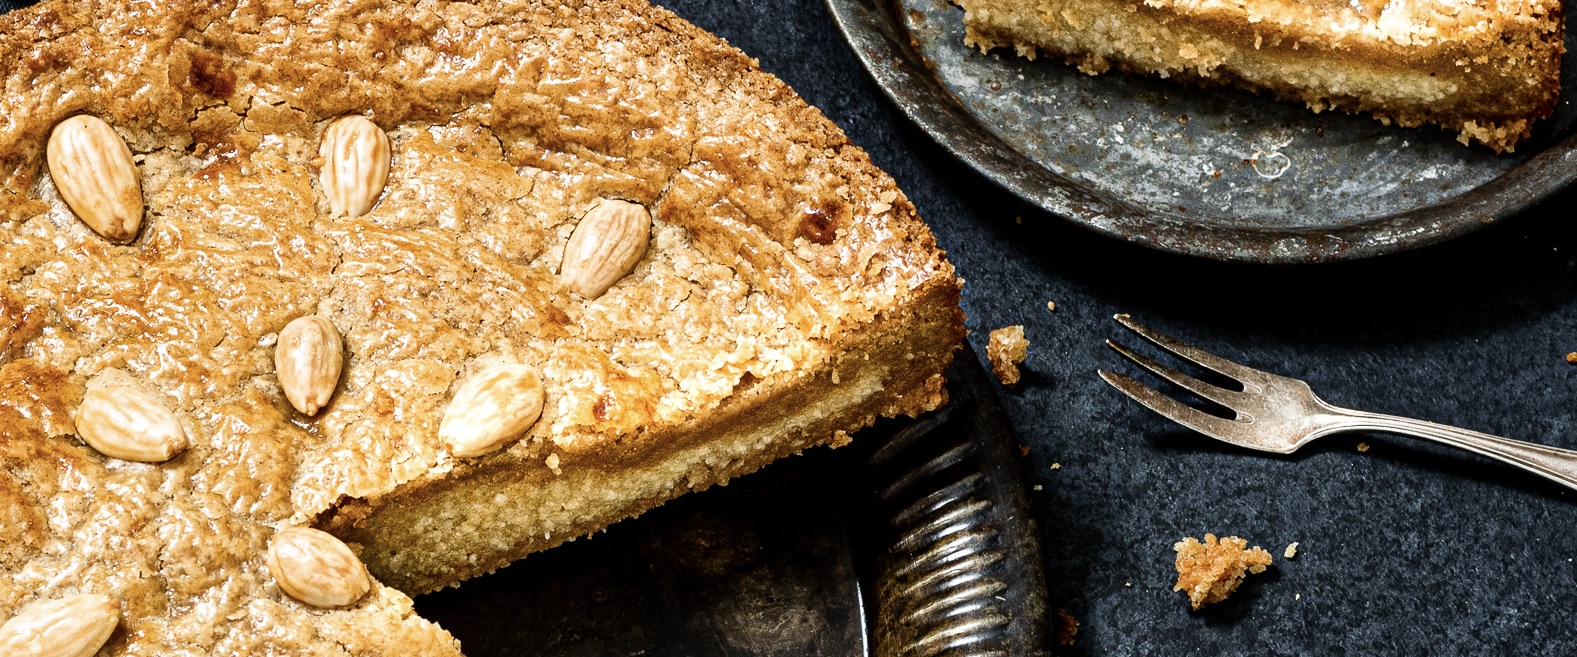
(1559,465)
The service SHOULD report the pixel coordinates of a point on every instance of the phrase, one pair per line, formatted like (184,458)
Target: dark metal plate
(916,541)
(1207,172)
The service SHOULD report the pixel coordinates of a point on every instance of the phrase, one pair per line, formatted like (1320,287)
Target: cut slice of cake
(1485,69)
(450,282)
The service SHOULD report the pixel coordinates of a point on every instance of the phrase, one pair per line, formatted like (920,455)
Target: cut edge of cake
(443,530)
(1486,75)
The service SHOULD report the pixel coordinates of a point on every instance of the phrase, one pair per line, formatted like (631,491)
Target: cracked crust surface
(1485,69)
(786,275)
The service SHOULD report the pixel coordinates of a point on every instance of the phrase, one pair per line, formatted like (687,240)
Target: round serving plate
(1216,173)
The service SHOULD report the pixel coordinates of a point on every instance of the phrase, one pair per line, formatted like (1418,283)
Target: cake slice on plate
(1485,69)
(310,305)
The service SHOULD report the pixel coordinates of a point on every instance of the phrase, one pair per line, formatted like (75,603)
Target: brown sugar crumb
(1212,570)
(1067,627)
(1572,358)
(1006,350)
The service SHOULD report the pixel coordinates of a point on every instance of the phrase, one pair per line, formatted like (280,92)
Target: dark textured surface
(1406,549)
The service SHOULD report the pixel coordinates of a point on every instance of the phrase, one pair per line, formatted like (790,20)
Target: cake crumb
(1051,306)
(1006,350)
(1056,466)
(1128,584)
(1363,447)
(1297,596)
(1039,487)
(1067,627)
(1572,357)
(552,462)
(1212,570)
(1291,551)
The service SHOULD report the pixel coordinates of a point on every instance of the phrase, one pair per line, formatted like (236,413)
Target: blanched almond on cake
(355,156)
(73,626)
(316,568)
(93,171)
(610,239)
(126,423)
(307,360)
(496,406)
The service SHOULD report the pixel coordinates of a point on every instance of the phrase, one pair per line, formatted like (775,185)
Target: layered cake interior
(1484,69)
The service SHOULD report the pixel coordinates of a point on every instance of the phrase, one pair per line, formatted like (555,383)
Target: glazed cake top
(771,237)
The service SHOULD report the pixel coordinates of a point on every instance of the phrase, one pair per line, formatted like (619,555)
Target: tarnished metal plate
(1217,173)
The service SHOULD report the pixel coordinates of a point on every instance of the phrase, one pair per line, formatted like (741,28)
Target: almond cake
(311,305)
(1484,69)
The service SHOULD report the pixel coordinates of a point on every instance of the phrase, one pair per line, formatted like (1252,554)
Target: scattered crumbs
(1051,306)
(1039,487)
(1006,350)
(1572,357)
(1210,571)
(1067,627)
(1291,551)
(1363,447)
(1056,466)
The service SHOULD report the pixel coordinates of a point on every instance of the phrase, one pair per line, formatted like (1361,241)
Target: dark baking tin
(1241,178)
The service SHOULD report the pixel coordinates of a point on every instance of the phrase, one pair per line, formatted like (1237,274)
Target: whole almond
(605,246)
(93,170)
(316,568)
(496,406)
(307,360)
(126,423)
(355,156)
(73,626)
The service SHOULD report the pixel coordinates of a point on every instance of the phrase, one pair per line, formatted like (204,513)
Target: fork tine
(1172,409)
(1219,395)
(1209,361)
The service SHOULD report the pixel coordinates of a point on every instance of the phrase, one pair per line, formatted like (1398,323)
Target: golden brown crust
(777,249)
(1487,71)
(1210,571)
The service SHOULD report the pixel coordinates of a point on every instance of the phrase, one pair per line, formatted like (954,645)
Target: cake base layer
(426,537)
(1488,76)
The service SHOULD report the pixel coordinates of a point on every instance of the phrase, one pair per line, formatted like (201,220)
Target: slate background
(1407,549)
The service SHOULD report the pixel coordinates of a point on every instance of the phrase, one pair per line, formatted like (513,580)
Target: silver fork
(1279,414)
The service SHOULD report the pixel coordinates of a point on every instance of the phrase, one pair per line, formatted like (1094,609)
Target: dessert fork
(1280,414)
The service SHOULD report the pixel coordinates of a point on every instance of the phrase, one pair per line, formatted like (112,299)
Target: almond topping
(73,626)
(307,360)
(496,406)
(93,171)
(123,422)
(355,160)
(610,239)
(316,568)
